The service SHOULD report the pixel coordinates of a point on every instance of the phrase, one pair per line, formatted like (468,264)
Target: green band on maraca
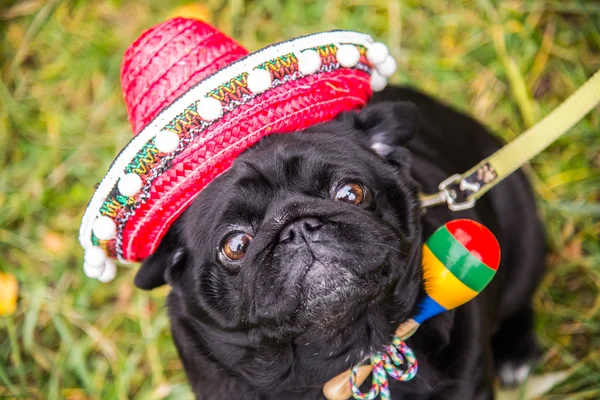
(464,265)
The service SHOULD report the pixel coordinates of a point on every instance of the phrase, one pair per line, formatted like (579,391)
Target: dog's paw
(512,374)
(515,350)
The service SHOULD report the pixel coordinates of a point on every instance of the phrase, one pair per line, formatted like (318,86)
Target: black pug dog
(305,256)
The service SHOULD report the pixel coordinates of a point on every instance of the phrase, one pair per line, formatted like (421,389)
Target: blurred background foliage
(62,120)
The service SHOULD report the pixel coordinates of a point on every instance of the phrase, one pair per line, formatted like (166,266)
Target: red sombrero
(196,100)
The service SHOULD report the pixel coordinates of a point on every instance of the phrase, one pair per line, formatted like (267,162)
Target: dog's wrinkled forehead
(306,163)
(301,165)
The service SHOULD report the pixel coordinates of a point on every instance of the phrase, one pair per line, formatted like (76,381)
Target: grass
(62,121)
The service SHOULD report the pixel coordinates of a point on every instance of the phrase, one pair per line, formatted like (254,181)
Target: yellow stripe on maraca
(441,285)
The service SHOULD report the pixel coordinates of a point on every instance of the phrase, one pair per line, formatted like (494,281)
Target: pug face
(305,250)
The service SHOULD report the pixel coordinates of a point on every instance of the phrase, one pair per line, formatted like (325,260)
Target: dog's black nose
(307,228)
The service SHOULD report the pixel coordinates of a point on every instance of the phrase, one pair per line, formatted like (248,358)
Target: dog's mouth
(330,294)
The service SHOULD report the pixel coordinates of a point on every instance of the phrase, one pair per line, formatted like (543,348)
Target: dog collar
(196,100)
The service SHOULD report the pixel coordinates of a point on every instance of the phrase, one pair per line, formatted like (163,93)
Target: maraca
(459,260)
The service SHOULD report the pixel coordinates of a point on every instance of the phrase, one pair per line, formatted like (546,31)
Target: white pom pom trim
(378,82)
(109,272)
(104,228)
(348,55)
(130,184)
(377,53)
(95,257)
(259,80)
(309,62)
(166,141)
(210,109)
(388,67)
(92,271)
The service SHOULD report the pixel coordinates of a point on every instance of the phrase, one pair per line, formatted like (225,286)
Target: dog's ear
(164,265)
(387,125)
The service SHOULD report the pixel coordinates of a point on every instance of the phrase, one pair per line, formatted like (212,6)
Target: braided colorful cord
(398,361)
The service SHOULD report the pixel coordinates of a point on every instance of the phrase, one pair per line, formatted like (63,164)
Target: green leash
(460,192)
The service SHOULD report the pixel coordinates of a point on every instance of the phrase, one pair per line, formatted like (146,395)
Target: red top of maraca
(477,239)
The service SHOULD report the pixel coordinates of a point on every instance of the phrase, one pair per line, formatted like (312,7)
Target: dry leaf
(54,243)
(9,290)
(574,248)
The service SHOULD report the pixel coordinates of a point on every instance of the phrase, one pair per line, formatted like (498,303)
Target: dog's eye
(350,192)
(235,246)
